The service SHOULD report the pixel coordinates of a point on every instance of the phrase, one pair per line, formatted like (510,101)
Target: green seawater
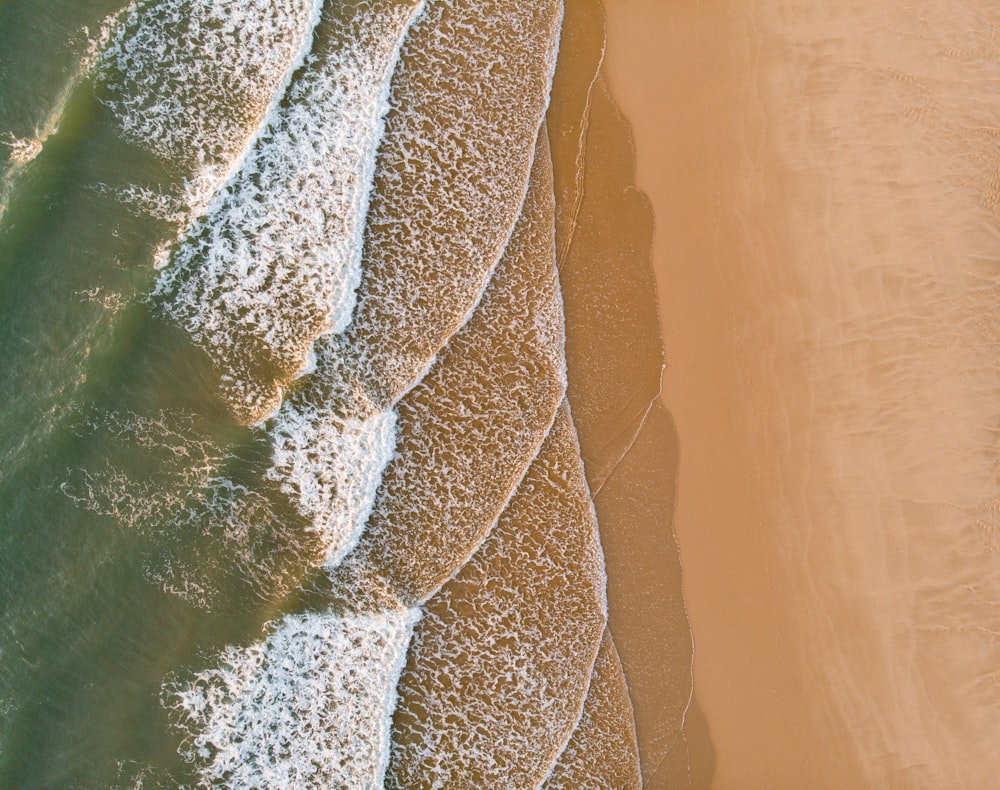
(86,638)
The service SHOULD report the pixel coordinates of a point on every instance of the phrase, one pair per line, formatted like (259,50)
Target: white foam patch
(277,254)
(191,80)
(22,150)
(97,42)
(310,706)
(331,467)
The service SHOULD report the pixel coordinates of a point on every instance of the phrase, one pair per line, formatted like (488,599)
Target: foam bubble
(95,43)
(330,466)
(499,665)
(48,108)
(22,150)
(472,425)
(276,258)
(9,708)
(311,705)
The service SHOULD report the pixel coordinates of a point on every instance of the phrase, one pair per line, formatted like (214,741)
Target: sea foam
(469,429)
(191,80)
(276,258)
(500,662)
(468,97)
(330,466)
(309,706)
(22,150)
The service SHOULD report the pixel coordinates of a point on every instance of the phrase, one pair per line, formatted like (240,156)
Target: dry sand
(825,184)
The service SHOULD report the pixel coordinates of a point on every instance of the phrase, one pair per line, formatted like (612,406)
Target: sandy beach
(825,194)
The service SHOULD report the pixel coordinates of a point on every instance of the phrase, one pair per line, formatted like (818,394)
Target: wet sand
(825,191)
(614,362)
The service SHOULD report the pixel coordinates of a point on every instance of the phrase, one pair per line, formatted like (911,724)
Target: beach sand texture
(824,181)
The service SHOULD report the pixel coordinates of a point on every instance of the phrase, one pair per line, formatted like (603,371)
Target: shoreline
(614,364)
(690,147)
(827,214)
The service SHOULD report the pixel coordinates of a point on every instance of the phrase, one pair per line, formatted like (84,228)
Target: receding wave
(500,662)
(469,429)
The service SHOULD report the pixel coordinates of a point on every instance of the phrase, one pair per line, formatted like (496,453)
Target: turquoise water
(242,413)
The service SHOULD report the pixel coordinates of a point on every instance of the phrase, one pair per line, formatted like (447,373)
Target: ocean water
(291,495)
